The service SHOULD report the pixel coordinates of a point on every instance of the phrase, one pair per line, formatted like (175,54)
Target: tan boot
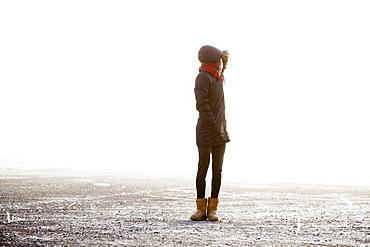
(212,209)
(200,214)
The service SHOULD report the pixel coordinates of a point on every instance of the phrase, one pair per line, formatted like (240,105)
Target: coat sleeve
(201,90)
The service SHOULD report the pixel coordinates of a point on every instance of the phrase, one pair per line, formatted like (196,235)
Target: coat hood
(209,54)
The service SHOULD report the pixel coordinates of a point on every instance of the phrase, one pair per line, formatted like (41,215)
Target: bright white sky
(109,84)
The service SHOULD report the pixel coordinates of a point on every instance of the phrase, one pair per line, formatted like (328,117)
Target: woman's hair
(225,58)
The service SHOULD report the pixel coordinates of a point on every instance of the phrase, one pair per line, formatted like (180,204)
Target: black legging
(204,160)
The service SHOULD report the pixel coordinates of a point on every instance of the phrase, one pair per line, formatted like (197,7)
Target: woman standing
(211,134)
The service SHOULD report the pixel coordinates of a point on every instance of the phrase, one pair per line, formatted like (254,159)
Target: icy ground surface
(45,208)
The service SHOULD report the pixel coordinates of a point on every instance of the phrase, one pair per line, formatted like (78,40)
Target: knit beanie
(209,54)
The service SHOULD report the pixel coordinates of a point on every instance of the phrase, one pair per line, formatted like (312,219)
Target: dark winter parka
(211,127)
(210,102)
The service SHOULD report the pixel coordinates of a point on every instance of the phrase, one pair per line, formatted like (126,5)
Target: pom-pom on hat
(209,54)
